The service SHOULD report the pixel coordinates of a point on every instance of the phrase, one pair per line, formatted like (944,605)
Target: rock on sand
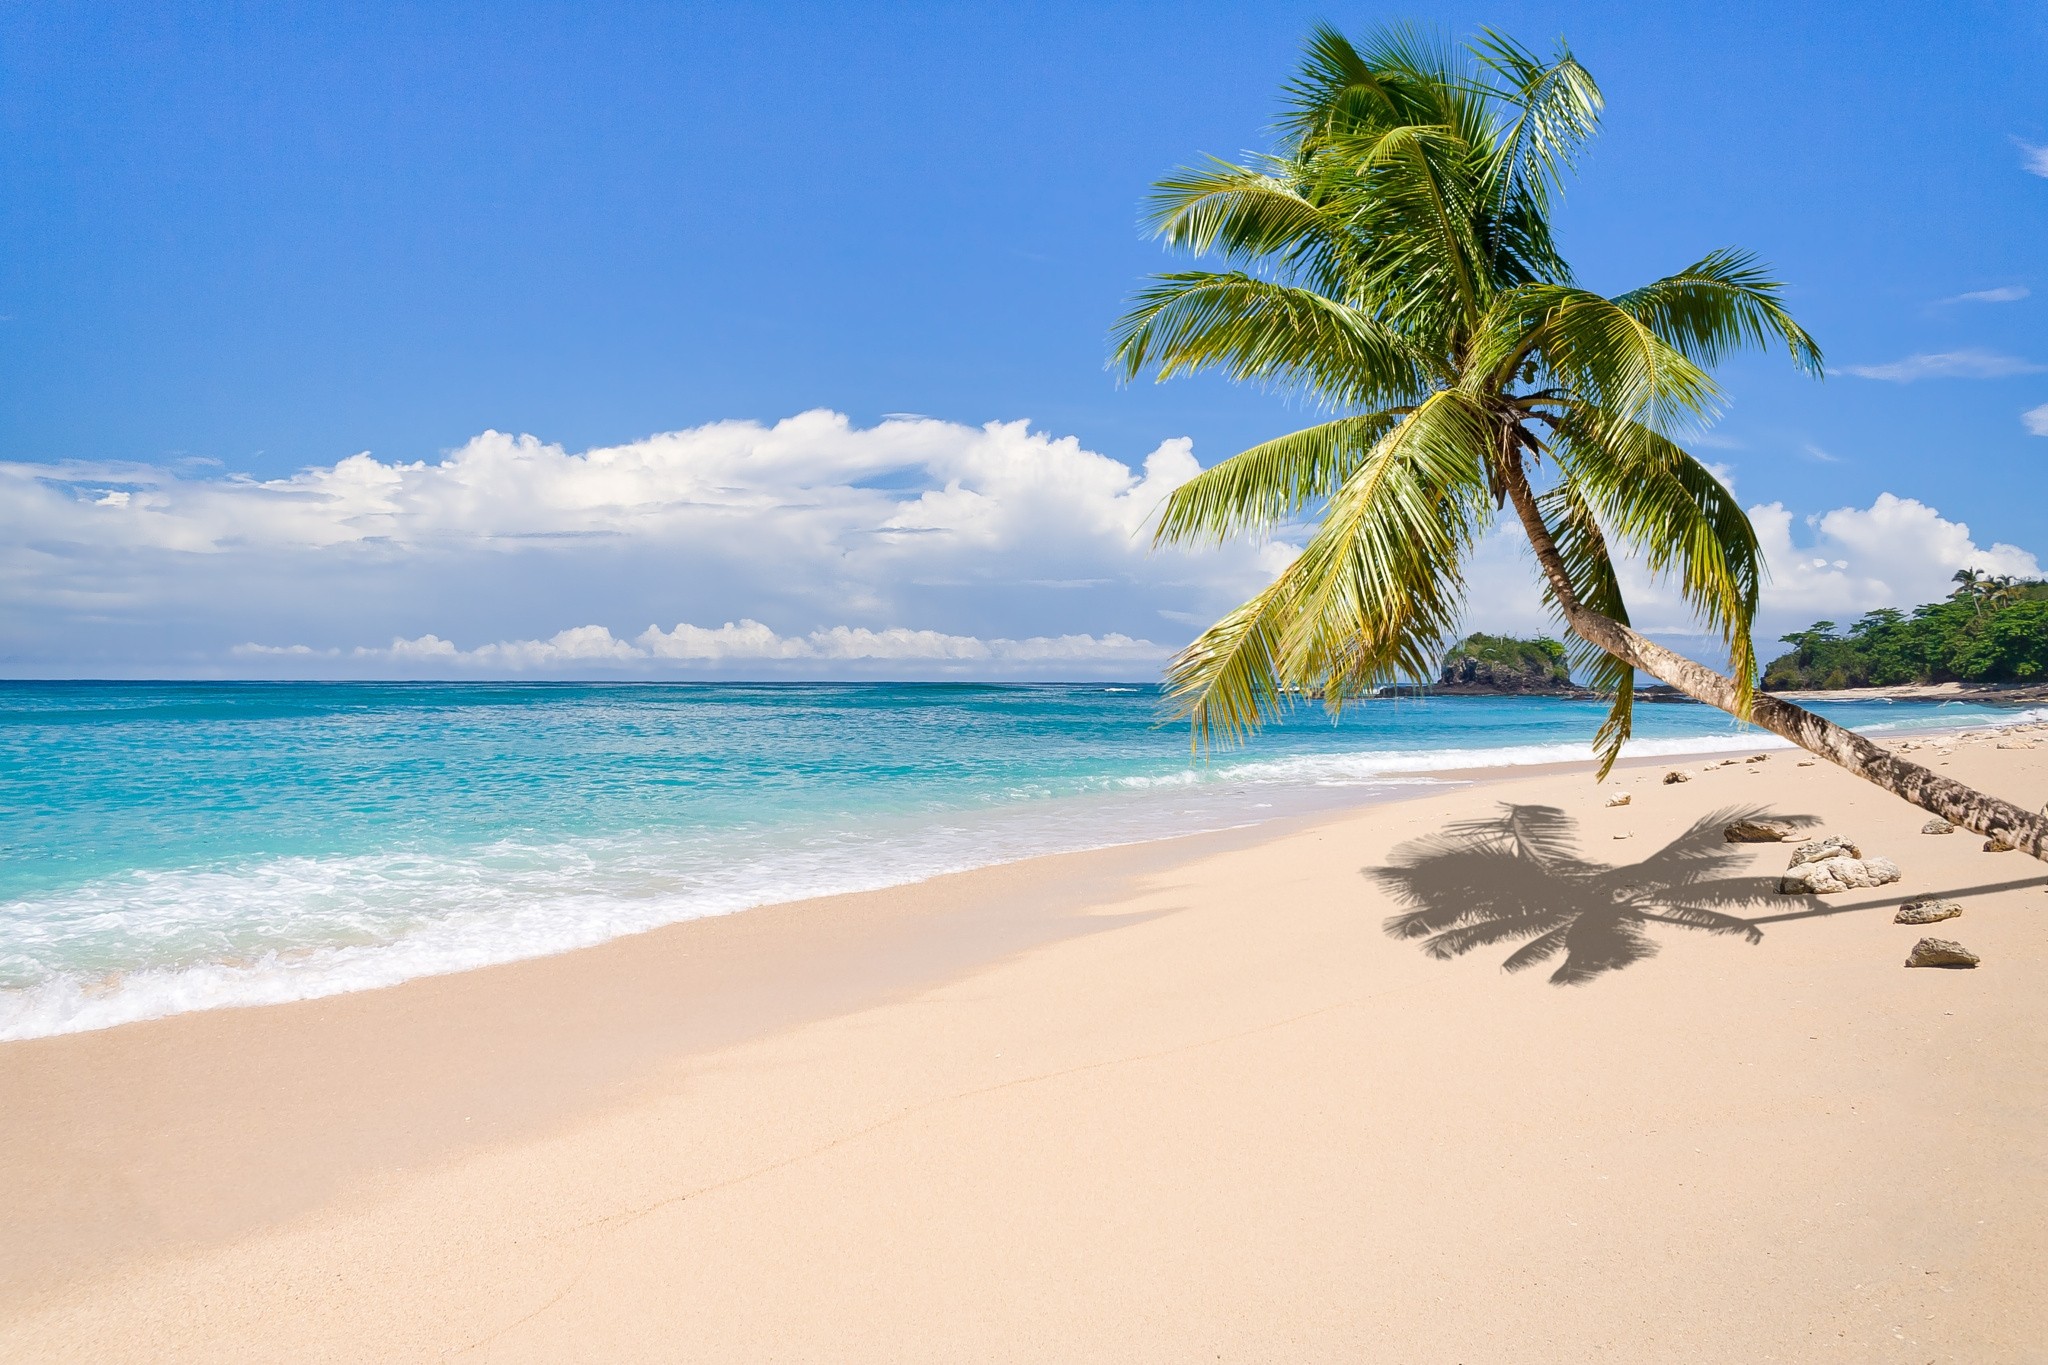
(1928,911)
(1830,846)
(1941,952)
(1757,832)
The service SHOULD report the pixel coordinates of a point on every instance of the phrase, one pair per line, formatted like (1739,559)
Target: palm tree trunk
(1930,791)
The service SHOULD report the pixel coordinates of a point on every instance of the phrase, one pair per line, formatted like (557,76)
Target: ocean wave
(144,944)
(303,928)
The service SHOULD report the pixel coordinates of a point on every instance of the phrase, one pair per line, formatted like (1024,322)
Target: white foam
(300,928)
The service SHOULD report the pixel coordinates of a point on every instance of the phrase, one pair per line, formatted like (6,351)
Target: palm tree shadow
(1517,877)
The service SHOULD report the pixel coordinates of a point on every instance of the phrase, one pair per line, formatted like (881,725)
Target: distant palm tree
(1394,260)
(1985,592)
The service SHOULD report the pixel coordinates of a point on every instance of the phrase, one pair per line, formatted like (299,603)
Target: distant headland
(1502,665)
(1987,640)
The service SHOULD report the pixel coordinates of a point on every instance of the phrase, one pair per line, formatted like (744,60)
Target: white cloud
(1964,364)
(2035,159)
(2036,420)
(507,491)
(914,539)
(914,548)
(2004,293)
(256,651)
(752,640)
(747,640)
(1898,552)
(742,642)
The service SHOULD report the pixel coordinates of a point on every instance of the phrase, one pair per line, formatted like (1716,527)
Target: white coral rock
(1830,875)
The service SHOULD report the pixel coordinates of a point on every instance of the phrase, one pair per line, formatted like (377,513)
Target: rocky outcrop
(1680,775)
(1757,832)
(1493,678)
(1501,665)
(1937,826)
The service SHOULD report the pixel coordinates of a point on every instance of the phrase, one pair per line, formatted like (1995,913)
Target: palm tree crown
(1394,260)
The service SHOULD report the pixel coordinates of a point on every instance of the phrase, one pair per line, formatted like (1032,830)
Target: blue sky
(238,243)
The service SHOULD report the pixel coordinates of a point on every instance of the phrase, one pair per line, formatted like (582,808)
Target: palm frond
(1382,580)
(1427,187)
(1272,483)
(1254,214)
(1681,518)
(1401,75)
(1590,568)
(1376,592)
(1277,334)
(1595,351)
(1554,110)
(1227,681)
(1723,303)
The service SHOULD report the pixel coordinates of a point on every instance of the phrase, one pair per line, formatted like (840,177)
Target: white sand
(1188,1102)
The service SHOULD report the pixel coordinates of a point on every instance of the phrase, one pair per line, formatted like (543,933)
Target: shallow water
(173,846)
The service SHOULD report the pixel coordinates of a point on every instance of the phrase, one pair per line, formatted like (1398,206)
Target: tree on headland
(1990,630)
(1504,663)
(1394,260)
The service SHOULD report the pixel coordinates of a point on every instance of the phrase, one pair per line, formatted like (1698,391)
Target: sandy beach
(1185,1100)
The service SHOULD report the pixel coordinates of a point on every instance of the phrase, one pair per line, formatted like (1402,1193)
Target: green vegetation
(1541,662)
(1989,630)
(1393,261)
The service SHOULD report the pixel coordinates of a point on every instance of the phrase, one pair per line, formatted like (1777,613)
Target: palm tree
(1394,261)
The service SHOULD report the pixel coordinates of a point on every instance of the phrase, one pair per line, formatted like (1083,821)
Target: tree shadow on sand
(1517,877)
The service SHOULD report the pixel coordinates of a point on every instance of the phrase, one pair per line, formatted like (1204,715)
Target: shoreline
(619,1012)
(65,1006)
(604,1149)
(1998,694)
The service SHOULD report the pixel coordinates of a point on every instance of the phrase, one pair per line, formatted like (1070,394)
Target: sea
(167,847)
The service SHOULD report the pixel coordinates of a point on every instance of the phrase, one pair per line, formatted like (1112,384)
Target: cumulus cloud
(919,540)
(509,490)
(2036,420)
(741,641)
(1895,553)
(912,548)
(1965,364)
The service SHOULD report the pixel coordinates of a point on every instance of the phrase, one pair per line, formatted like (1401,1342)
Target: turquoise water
(167,846)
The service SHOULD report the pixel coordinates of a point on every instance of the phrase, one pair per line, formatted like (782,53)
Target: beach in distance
(1045,1077)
